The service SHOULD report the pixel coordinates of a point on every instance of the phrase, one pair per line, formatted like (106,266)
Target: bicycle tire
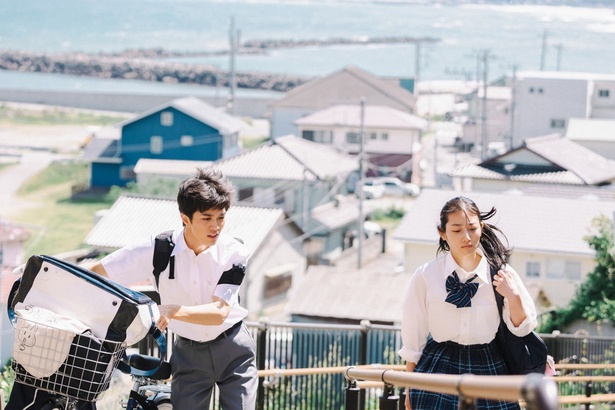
(52,406)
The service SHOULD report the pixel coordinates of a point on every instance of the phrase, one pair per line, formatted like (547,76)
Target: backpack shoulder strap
(499,299)
(163,247)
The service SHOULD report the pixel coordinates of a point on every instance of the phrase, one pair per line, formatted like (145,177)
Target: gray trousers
(228,363)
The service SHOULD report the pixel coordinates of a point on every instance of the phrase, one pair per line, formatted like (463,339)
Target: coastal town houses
(496,117)
(544,101)
(391,144)
(274,242)
(547,235)
(309,181)
(347,86)
(184,128)
(546,160)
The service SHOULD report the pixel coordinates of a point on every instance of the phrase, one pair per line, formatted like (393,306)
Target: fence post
(540,393)
(261,359)
(366,326)
(353,396)
(388,401)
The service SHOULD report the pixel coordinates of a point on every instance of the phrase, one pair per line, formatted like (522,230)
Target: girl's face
(462,233)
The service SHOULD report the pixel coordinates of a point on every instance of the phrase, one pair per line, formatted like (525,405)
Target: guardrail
(538,392)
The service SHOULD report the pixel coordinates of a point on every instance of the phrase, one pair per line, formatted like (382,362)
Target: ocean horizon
(523,37)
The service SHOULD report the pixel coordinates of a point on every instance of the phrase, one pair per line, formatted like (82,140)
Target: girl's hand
(407,401)
(505,284)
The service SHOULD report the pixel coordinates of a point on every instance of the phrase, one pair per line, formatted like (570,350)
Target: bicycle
(73,370)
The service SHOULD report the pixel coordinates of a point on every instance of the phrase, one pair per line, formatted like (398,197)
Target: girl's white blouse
(426,313)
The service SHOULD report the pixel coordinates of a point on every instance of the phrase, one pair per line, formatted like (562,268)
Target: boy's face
(205,227)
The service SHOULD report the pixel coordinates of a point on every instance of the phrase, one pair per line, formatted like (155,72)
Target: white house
(347,86)
(275,244)
(547,234)
(544,101)
(597,135)
(391,137)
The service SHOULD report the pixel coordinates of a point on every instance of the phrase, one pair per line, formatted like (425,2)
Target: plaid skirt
(453,358)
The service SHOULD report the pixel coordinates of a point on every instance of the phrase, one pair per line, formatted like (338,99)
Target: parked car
(372,189)
(394,186)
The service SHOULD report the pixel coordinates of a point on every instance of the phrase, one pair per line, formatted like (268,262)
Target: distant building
(546,160)
(597,135)
(545,101)
(391,137)
(184,129)
(347,86)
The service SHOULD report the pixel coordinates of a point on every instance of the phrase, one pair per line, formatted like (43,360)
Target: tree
(595,298)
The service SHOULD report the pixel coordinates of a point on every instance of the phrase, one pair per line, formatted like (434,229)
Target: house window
(186,140)
(558,123)
(564,269)
(278,280)
(155,144)
(279,197)
(603,93)
(385,136)
(353,137)
(532,270)
(307,135)
(531,90)
(539,90)
(326,137)
(245,194)
(166,118)
(373,135)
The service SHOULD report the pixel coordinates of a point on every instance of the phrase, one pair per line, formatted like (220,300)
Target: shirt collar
(482,270)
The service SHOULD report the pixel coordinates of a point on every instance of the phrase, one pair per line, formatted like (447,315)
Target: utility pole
(483,151)
(233,40)
(513,96)
(543,53)
(361,195)
(417,66)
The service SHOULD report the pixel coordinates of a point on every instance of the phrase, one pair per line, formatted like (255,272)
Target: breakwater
(142,66)
(151,64)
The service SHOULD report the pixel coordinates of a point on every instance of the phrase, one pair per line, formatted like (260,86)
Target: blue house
(185,128)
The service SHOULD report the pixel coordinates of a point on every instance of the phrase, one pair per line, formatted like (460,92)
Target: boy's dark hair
(206,190)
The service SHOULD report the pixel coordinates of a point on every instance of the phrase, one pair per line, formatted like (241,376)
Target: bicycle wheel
(52,405)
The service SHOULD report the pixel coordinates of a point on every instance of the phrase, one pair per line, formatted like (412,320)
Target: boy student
(199,293)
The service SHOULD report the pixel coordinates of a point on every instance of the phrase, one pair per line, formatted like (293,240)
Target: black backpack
(163,247)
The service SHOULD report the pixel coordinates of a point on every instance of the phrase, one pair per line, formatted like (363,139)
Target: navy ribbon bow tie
(460,294)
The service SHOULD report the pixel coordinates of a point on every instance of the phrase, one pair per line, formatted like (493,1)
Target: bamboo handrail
(537,391)
(578,366)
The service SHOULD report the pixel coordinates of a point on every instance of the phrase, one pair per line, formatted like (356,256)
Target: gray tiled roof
(132,218)
(572,163)
(347,86)
(288,158)
(328,291)
(200,110)
(374,116)
(543,224)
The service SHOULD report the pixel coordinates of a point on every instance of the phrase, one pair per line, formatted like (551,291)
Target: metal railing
(536,391)
(284,346)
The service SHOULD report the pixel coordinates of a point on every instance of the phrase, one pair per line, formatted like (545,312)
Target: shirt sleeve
(233,274)
(414,326)
(530,321)
(131,264)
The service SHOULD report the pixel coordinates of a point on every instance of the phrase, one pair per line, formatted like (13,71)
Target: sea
(451,39)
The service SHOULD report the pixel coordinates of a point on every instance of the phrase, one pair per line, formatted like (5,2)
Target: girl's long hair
(494,249)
